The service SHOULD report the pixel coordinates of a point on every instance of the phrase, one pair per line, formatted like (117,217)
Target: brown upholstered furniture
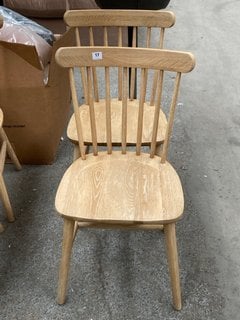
(48,13)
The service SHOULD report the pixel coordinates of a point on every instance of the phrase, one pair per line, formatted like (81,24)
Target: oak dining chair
(119,28)
(127,187)
(6,149)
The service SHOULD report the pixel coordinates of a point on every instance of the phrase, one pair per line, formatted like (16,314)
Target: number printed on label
(97,55)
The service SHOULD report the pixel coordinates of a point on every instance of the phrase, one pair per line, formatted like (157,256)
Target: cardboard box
(35,113)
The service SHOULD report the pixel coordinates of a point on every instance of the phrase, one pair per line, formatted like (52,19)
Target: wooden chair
(6,148)
(115,24)
(125,188)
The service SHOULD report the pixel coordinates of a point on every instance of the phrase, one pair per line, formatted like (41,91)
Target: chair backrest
(145,60)
(120,19)
(117,27)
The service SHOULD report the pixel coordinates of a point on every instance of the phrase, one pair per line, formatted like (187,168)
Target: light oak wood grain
(160,60)
(171,244)
(6,148)
(66,255)
(121,20)
(117,18)
(175,61)
(122,188)
(116,112)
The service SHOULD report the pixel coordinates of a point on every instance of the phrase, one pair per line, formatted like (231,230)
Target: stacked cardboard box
(35,102)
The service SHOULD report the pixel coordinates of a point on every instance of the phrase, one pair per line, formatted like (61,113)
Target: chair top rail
(119,18)
(159,59)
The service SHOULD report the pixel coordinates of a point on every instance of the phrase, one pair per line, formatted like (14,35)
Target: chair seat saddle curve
(116,113)
(123,187)
(117,25)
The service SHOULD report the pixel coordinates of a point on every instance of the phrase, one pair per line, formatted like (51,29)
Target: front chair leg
(6,201)
(172,254)
(10,150)
(65,260)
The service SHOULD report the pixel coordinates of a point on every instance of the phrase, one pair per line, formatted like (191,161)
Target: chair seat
(120,188)
(116,112)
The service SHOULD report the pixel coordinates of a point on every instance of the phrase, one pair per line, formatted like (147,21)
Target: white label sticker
(97,55)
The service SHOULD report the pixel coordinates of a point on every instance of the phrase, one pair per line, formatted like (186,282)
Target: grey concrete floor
(123,275)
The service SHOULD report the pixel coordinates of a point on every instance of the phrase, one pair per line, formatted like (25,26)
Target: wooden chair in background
(122,188)
(116,25)
(6,148)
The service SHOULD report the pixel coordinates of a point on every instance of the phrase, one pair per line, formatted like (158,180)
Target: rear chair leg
(1,227)
(65,260)
(10,150)
(172,254)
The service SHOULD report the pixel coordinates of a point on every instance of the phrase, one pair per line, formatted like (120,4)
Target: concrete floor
(123,275)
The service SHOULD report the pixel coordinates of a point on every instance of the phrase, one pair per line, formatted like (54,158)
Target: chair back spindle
(118,25)
(143,89)
(171,117)
(156,73)
(133,70)
(90,85)
(159,89)
(124,110)
(120,73)
(105,36)
(82,71)
(108,111)
(76,112)
(94,71)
